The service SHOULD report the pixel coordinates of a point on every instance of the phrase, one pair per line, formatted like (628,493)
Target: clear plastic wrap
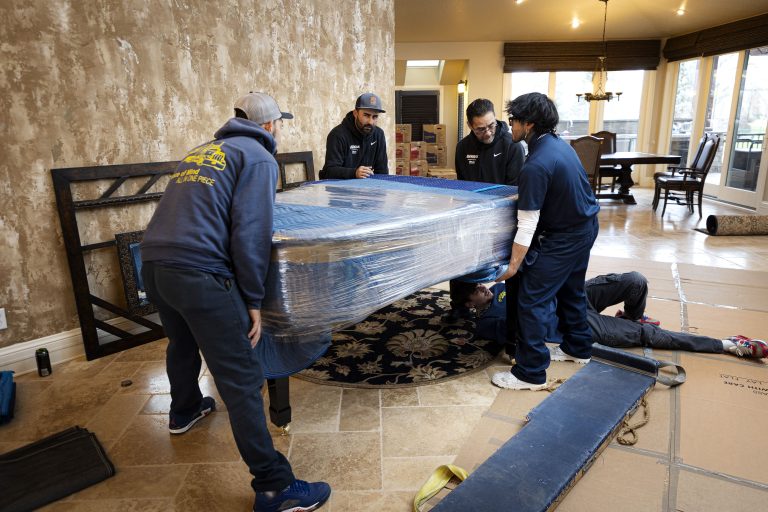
(344,249)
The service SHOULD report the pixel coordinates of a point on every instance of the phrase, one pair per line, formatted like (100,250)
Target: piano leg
(279,402)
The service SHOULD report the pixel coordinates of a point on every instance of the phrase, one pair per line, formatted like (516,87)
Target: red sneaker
(748,347)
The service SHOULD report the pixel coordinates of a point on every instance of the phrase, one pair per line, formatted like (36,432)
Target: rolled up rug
(737,225)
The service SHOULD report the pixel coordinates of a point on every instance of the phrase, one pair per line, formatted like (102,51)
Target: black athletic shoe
(180,424)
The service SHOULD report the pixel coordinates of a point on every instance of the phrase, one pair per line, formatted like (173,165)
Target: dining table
(625,160)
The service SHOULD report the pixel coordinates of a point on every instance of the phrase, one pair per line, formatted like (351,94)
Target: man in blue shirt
(205,258)
(557,226)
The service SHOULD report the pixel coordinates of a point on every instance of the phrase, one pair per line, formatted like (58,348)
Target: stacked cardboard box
(416,157)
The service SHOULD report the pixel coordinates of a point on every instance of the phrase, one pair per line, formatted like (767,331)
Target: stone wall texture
(100,82)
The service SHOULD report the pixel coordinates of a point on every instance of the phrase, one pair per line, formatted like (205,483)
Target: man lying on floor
(629,328)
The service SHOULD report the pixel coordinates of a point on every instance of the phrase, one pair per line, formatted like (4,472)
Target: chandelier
(600,93)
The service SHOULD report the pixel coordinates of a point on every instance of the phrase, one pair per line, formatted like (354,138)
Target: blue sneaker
(180,424)
(300,496)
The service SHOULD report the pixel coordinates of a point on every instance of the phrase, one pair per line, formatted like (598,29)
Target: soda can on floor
(43,362)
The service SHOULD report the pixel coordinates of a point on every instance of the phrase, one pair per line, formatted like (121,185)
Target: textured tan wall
(106,82)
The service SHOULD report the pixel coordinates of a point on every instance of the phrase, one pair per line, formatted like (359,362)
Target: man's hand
(363,171)
(255,333)
(518,254)
(511,271)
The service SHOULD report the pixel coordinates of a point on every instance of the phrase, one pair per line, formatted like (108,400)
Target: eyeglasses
(482,129)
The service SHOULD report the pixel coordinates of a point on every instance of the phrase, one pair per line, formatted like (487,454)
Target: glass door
(718,114)
(748,139)
(685,109)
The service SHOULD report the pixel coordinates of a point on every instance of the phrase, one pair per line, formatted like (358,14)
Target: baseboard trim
(62,346)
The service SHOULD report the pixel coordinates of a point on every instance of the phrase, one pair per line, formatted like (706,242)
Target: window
(622,116)
(574,113)
(751,121)
(719,106)
(417,108)
(685,108)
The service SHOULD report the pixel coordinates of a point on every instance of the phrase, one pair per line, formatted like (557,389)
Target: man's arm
(335,153)
(251,236)
(527,220)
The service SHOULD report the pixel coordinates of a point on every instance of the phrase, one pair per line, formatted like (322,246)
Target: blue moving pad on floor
(535,469)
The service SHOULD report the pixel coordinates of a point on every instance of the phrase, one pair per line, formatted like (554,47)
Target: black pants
(631,288)
(202,312)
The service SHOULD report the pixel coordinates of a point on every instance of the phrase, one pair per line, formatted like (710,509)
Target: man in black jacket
(488,154)
(357,148)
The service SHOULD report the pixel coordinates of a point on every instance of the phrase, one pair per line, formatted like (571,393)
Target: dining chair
(608,146)
(674,170)
(588,148)
(690,181)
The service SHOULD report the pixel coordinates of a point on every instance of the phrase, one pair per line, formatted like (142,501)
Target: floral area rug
(404,344)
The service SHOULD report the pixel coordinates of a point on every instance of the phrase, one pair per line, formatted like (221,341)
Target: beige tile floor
(375,447)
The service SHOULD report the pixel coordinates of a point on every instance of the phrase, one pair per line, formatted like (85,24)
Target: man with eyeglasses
(489,155)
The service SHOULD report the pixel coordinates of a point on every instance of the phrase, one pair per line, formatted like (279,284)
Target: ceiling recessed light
(680,11)
(575,23)
(518,2)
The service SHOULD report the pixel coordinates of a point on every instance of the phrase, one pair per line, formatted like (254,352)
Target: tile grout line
(674,403)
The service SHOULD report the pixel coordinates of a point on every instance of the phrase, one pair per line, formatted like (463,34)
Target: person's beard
(366,129)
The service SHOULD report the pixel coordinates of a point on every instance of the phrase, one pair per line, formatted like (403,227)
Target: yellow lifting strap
(447,476)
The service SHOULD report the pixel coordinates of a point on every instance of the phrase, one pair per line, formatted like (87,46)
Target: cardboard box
(402,133)
(403,151)
(418,150)
(436,155)
(434,133)
(418,168)
(402,167)
(441,172)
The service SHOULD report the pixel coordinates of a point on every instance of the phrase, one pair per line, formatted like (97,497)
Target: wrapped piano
(344,249)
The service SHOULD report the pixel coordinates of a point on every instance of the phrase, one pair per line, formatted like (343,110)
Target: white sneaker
(508,381)
(557,354)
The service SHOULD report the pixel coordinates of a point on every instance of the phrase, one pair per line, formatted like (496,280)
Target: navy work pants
(202,312)
(552,297)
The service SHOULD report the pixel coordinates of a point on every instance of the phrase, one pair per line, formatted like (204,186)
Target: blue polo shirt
(554,182)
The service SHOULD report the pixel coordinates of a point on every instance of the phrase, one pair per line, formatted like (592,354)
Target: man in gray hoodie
(205,258)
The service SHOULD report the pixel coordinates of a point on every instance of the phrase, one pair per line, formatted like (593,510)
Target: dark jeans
(202,312)
(631,288)
(554,270)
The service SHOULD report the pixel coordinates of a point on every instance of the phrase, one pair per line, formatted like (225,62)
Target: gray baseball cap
(260,108)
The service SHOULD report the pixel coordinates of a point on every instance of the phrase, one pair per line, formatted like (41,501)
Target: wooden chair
(303,158)
(588,149)
(675,170)
(608,146)
(690,181)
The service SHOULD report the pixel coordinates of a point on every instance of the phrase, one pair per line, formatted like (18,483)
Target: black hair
(239,113)
(535,108)
(462,291)
(479,108)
